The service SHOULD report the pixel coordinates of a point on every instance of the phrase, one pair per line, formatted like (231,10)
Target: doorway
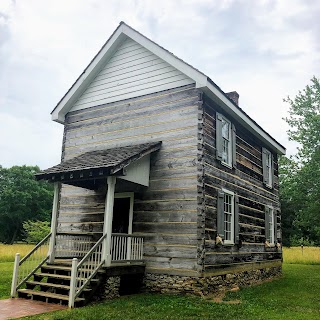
(122,213)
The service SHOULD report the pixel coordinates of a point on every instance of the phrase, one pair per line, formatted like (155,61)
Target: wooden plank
(169,227)
(118,141)
(165,216)
(129,129)
(129,119)
(211,271)
(229,259)
(171,263)
(164,98)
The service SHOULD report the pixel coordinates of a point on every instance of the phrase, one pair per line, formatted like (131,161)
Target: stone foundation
(109,289)
(203,286)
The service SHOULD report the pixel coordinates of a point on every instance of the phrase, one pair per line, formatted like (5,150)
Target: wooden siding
(247,182)
(165,214)
(132,71)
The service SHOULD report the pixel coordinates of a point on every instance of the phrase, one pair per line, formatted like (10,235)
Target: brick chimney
(234,96)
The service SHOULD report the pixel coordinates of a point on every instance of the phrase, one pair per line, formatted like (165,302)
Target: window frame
(231,241)
(270,225)
(267,166)
(231,152)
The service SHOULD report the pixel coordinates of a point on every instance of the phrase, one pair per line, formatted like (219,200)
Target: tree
(22,198)
(36,230)
(300,175)
(304,120)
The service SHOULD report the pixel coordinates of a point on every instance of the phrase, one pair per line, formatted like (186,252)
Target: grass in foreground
(307,255)
(6,269)
(295,296)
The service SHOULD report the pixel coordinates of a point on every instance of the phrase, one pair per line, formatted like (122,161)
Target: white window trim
(131,196)
(228,164)
(269,168)
(271,225)
(230,242)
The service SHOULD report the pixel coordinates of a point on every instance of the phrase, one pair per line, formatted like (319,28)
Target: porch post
(51,251)
(108,216)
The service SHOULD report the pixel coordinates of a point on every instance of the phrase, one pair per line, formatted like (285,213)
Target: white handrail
(85,270)
(28,265)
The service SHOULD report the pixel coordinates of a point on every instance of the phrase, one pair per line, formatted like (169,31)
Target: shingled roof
(97,164)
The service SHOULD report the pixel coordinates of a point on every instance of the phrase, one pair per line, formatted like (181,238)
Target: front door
(122,213)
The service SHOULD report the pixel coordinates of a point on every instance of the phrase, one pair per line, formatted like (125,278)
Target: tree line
(22,199)
(25,204)
(300,174)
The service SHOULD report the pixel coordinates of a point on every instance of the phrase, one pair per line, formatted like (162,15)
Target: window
(225,141)
(228,220)
(270,225)
(267,166)
(228,217)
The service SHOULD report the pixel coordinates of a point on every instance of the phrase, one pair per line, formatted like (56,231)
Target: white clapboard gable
(132,71)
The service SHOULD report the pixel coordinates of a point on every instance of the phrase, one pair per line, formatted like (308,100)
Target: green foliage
(299,176)
(22,198)
(36,230)
(304,119)
(296,241)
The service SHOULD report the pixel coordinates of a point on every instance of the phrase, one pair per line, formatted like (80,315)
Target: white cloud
(263,49)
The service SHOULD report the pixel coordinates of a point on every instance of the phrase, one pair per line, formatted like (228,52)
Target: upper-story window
(267,167)
(225,141)
(228,217)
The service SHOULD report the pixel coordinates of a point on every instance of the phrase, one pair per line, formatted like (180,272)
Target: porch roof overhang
(90,169)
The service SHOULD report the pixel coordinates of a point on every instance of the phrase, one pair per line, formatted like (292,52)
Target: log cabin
(165,184)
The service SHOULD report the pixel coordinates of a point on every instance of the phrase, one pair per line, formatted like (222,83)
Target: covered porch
(119,172)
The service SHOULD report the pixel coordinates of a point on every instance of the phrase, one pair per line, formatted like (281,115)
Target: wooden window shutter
(264,166)
(234,149)
(236,219)
(275,214)
(218,136)
(272,171)
(266,223)
(220,214)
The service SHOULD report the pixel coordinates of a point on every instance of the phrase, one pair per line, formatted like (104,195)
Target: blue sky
(265,50)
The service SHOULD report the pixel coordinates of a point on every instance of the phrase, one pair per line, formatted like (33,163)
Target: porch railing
(82,272)
(72,245)
(126,247)
(29,264)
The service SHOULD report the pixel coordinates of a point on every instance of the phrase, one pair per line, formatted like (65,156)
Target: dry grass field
(8,252)
(298,255)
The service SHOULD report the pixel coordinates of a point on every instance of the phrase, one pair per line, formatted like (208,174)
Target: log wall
(165,214)
(177,213)
(247,182)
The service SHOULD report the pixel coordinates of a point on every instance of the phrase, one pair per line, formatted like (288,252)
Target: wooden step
(52,285)
(65,268)
(54,267)
(48,295)
(48,284)
(59,276)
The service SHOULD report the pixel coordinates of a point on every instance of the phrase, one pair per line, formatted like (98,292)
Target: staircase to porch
(51,283)
(74,281)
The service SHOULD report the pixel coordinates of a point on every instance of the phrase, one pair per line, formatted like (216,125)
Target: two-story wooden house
(162,175)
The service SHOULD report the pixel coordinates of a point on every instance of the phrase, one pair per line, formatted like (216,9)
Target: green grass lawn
(295,296)
(6,269)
